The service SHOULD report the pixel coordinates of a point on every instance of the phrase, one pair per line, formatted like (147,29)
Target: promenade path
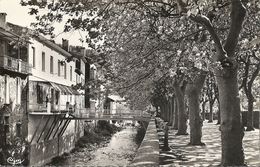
(210,155)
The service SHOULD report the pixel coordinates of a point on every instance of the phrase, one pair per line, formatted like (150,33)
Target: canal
(119,151)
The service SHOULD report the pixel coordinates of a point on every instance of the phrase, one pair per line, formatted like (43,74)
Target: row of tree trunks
(229,115)
(173,110)
(231,125)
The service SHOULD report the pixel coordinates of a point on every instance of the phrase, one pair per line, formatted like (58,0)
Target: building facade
(38,93)
(51,98)
(14,71)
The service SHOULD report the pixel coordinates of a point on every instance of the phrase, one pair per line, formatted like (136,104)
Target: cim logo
(13,161)
(16,153)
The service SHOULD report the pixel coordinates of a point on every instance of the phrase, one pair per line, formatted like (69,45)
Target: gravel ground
(210,155)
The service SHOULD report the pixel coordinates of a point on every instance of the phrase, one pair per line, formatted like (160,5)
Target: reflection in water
(119,151)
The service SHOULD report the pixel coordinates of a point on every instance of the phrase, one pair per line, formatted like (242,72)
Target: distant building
(115,104)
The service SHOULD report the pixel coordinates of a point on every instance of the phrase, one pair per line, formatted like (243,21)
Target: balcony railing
(26,68)
(51,108)
(13,64)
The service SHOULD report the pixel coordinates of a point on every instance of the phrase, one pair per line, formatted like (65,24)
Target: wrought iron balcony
(15,65)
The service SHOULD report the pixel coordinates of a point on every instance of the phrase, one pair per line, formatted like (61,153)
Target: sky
(18,14)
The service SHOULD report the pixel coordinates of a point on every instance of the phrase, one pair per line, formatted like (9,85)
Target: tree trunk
(250,120)
(231,125)
(219,117)
(203,110)
(182,118)
(196,122)
(157,110)
(163,112)
(166,111)
(210,112)
(171,111)
(176,115)
(250,100)
(166,139)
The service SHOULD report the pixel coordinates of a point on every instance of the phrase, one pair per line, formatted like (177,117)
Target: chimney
(3,20)
(65,44)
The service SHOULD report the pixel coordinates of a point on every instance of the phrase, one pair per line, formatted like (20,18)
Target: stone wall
(42,153)
(48,142)
(148,152)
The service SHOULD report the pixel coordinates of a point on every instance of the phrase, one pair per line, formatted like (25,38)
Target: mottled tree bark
(171,111)
(182,118)
(166,139)
(162,108)
(231,124)
(175,122)
(168,111)
(196,122)
(250,120)
(166,108)
(219,117)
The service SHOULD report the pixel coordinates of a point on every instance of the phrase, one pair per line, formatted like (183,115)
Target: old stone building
(39,90)
(14,71)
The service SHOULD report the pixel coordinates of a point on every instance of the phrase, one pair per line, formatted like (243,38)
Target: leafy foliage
(145,42)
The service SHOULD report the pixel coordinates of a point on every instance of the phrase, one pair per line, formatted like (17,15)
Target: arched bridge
(130,115)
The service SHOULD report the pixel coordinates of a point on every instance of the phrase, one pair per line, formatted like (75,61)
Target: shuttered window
(43,61)
(39,90)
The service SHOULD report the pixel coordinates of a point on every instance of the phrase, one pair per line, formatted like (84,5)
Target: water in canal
(119,151)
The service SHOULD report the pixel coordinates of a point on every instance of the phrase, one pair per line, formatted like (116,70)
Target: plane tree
(226,76)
